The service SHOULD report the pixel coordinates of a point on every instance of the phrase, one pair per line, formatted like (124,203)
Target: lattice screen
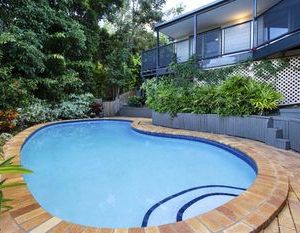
(287,82)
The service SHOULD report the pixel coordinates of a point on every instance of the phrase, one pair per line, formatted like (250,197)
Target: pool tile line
(155,206)
(192,202)
(269,189)
(228,148)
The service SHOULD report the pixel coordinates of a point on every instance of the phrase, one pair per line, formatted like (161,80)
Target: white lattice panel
(287,81)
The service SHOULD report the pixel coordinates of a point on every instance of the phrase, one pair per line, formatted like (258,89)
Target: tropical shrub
(135,101)
(234,95)
(37,112)
(204,99)
(266,98)
(76,106)
(166,96)
(240,95)
(7,167)
(237,95)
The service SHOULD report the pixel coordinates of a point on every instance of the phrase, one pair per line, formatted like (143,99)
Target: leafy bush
(238,95)
(7,167)
(37,112)
(166,96)
(135,101)
(234,95)
(266,98)
(77,106)
(204,99)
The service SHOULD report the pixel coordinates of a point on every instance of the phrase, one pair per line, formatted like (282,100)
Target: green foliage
(75,107)
(166,96)
(37,112)
(7,167)
(234,95)
(204,99)
(50,49)
(266,98)
(121,70)
(266,69)
(237,95)
(185,73)
(189,72)
(135,101)
(56,64)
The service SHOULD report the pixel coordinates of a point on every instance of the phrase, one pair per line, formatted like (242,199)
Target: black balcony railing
(166,55)
(279,21)
(210,44)
(149,60)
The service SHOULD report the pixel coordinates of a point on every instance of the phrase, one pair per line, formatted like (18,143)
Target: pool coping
(250,212)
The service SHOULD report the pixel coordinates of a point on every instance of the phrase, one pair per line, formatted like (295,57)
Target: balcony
(214,48)
(277,29)
(257,33)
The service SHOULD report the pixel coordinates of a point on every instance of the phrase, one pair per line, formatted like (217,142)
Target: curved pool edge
(249,212)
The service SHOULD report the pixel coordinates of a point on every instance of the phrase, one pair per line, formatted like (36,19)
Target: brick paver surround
(271,204)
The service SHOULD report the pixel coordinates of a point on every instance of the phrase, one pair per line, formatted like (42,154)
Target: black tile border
(149,212)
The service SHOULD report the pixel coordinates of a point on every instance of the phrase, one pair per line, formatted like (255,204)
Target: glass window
(237,38)
(278,21)
(191,46)
(182,51)
(212,44)
(200,46)
(276,24)
(295,15)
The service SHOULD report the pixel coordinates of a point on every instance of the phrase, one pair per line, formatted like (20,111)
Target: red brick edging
(250,212)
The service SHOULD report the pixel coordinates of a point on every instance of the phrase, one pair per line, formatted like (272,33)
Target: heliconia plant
(7,167)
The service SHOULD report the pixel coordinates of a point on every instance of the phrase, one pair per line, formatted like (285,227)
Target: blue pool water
(105,174)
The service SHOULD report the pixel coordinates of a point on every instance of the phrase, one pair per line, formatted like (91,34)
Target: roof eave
(199,10)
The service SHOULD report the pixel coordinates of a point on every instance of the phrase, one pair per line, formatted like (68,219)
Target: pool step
(189,203)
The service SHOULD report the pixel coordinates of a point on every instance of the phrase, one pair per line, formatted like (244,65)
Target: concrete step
(275,138)
(275,133)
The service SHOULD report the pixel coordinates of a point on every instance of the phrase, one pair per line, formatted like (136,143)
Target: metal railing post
(254,23)
(157,52)
(195,34)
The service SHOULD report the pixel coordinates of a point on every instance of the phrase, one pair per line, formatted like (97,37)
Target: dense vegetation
(57,56)
(237,95)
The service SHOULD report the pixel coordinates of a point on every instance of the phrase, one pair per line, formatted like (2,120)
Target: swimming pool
(105,174)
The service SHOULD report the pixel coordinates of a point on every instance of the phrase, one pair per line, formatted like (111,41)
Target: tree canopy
(50,49)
